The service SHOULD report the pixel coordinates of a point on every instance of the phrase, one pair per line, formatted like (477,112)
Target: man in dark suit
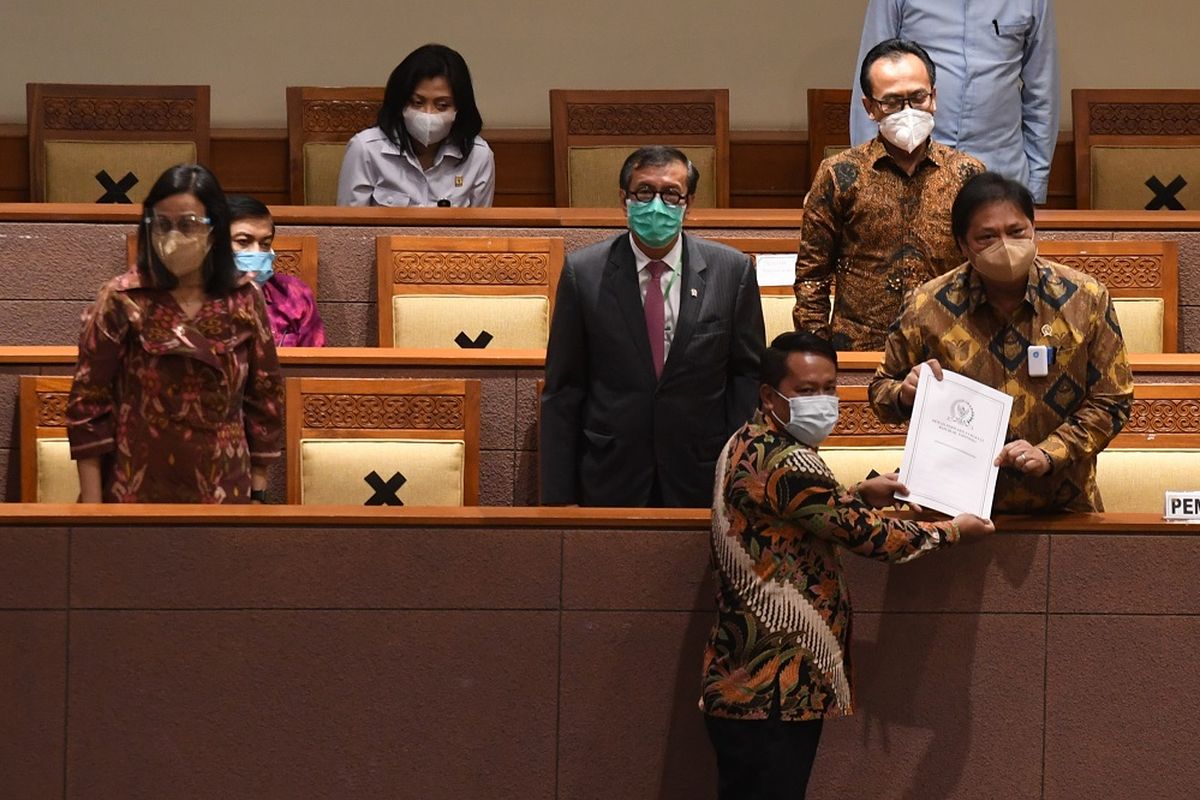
(653,356)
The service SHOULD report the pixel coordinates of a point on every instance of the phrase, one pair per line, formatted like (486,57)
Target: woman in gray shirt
(425,149)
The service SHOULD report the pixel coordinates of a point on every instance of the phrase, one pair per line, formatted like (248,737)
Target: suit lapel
(621,289)
(691,296)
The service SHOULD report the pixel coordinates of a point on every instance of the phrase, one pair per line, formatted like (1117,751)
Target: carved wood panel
(287,262)
(1164,416)
(471,269)
(339,116)
(1118,271)
(641,119)
(856,418)
(118,114)
(383,412)
(835,121)
(1156,416)
(1144,119)
(52,409)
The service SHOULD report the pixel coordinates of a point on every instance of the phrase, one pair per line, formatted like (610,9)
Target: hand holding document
(958,427)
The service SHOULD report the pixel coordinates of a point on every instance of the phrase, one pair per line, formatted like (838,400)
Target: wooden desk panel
(329,652)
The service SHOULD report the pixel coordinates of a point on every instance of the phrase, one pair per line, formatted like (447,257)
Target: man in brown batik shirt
(877,218)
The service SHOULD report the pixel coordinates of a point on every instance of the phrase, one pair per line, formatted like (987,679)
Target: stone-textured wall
(49,272)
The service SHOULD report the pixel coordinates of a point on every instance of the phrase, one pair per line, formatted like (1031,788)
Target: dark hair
(243,206)
(657,155)
(893,49)
(983,190)
(774,361)
(431,61)
(220,274)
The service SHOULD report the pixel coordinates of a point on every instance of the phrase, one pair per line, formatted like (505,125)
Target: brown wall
(402,660)
(768,169)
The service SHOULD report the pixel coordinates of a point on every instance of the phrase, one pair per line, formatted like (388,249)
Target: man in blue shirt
(997,66)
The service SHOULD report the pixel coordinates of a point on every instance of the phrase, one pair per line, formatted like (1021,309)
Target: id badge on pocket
(1039,357)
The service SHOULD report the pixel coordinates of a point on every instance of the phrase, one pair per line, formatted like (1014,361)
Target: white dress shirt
(376,172)
(671,282)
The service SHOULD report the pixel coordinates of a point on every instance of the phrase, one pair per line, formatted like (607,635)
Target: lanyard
(670,283)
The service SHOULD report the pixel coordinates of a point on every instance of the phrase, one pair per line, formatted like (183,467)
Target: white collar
(671,259)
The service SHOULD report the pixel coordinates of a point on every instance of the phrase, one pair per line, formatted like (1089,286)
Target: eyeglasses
(186,224)
(669,196)
(890,105)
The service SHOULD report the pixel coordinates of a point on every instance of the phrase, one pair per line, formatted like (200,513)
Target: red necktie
(655,321)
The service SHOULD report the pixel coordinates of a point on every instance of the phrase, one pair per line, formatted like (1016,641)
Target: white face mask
(812,418)
(428,128)
(907,128)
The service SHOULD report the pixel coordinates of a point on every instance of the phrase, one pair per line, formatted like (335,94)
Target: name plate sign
(1183,506)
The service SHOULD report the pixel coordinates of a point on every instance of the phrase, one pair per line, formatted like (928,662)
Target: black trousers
(763,759)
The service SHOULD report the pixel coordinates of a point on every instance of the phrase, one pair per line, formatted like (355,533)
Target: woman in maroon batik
(177,395)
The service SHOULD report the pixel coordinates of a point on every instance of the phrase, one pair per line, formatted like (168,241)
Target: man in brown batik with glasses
(877,218)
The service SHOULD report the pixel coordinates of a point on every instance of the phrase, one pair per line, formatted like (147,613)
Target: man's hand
(878,492)
(908,389)
(1024,457)
(972,528)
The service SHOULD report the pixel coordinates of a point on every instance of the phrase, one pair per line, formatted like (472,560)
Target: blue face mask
(655,223)
(258,263)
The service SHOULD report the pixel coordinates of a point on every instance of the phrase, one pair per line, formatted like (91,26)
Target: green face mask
(655,223)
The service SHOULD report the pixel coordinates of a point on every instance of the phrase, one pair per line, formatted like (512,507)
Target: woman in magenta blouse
(291,306)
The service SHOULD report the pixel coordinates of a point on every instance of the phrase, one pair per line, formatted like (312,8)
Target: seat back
(466,293)
(859,442)
(1142,277)
(594,131)
(382,441)
(1137,148)
(775,262)
(828,125)
(109,144)
(48,475)
(321,119)
(1158,449)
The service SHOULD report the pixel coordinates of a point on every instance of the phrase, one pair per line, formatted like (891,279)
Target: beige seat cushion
(595,174)
(777,314)
(1119,175)
(431,320)
(852,464)
(57,475)
(333,472)
(1134,480)
(71,167)
(1141,321)
(322,165)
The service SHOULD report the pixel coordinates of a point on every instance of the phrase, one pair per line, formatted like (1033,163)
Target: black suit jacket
(609,428)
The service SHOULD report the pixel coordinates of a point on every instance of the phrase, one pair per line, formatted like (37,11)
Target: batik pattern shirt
(1072,413)
(871,234)
(176,408)
(783,612)
(292,311)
